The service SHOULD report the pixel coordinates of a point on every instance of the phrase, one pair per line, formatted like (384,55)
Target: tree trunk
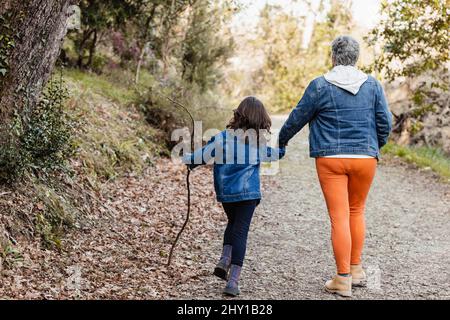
(39,27)
(139,64)
(92,49)
(85,38)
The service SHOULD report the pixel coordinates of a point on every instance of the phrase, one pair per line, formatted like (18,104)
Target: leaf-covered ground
(121,251)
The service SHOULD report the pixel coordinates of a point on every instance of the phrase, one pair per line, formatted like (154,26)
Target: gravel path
(407,253)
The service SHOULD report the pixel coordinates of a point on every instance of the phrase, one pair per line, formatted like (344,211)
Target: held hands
(282,145)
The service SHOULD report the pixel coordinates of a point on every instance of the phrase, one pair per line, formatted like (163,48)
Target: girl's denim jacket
(236,165)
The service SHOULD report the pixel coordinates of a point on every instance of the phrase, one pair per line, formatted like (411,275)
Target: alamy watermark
(231,146)
(74,281)
(74,18)
(373,274)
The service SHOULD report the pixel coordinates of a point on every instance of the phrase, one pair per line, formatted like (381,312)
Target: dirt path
(120,252)
(408,240)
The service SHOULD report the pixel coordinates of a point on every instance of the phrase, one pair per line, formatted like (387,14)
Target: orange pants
(345,184)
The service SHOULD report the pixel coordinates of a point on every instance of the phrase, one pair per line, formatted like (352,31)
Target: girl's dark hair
(250,114)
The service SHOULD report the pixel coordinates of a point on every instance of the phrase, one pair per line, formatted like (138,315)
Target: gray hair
(345,51)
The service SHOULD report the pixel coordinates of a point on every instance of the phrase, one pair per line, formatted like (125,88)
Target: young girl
(237,153)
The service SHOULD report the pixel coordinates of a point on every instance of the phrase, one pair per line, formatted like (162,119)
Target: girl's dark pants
(239,218)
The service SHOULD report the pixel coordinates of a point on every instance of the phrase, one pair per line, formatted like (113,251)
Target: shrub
(54,215)
(162,114)
(39,139)
(113,136)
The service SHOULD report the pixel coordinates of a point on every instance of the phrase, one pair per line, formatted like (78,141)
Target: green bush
(166,116)
(39,139)
(54,215)
(424,157)
(113,136)
(7,43)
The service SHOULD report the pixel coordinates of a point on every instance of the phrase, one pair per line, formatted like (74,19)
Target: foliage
(207,43)
(40,139)
(281,72)
(48,132)
(338,20)
(424,157)
(161,113)
(163,29)
(415,38)
(415,33)
(7,42)
(288,65)
(9,254)
(99,16)
(54,215)
(113,139)
(188,39)
(125,26)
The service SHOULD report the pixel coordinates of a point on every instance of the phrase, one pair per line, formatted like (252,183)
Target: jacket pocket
(234,179)
(248,187)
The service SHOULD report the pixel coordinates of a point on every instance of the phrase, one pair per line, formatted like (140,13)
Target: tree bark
(85,38)
(92,49)
(40,26)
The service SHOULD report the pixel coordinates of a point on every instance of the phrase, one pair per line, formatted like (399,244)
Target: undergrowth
(424,157)
(90,130)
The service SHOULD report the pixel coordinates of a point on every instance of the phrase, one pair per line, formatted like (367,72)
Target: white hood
(347,77)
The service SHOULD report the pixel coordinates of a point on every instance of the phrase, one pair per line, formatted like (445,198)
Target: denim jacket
(236,165)
(341,122)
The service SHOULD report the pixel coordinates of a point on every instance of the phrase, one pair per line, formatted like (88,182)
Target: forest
(90,93)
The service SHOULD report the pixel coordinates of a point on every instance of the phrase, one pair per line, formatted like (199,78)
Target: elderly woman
(349,122)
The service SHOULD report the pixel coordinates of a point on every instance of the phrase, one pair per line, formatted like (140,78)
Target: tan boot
(340,285)
(359,278)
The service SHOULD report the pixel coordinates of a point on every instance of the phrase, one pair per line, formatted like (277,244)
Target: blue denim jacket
(340,122)
(236,165)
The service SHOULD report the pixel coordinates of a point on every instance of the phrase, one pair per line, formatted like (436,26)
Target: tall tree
(207,42)
(288,65)
(31,33)
(158,29)
(98,17)
(415,38)
(338,20)
(280,40)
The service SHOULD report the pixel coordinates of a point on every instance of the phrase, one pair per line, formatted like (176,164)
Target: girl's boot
(232,287)
(224,263)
